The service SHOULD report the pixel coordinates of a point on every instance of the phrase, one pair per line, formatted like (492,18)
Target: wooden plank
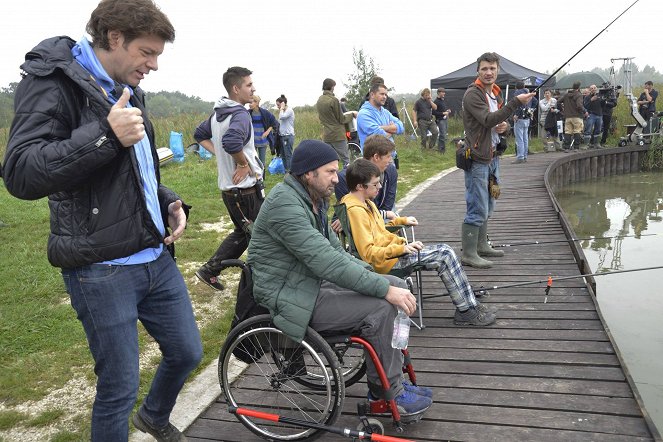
(492,333)
(432,343)
(524,369)
(535,357)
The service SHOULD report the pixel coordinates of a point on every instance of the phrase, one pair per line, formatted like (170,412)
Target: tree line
(160,104)
(167,104)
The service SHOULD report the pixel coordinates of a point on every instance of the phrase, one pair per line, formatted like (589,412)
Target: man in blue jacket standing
(373,118)
(81,137)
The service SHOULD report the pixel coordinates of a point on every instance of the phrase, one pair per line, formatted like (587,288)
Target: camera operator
(593,103)
(608,106)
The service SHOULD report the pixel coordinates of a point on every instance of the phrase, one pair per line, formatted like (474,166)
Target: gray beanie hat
(311,154)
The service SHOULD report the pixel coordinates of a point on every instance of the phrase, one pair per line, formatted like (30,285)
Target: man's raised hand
(524,98)
(126,123)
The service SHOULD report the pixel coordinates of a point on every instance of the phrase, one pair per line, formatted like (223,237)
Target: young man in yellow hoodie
(386,251)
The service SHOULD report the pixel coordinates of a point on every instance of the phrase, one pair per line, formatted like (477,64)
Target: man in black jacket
(442,119)
(81,137)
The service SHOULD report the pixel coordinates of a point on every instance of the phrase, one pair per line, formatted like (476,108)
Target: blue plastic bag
(177,146)
(276,166)
(204,153)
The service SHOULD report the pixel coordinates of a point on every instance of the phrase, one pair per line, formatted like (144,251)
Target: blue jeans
(593,127)
(262,154)
(520,129)
(442,127)
(109,300)
(288,143)
(479,203)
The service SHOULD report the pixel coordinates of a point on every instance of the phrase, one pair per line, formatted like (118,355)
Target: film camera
(608,91)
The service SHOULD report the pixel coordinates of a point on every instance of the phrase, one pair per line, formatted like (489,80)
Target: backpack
(245,307)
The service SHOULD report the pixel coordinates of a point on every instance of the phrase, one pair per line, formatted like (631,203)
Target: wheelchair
(354,149)
(284,390)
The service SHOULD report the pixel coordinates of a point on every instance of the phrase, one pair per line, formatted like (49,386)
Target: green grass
(42,344)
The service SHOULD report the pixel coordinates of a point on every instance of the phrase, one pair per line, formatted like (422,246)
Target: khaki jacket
(478,121)
(332,118)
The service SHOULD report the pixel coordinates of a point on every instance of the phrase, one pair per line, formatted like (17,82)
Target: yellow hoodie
(375,244)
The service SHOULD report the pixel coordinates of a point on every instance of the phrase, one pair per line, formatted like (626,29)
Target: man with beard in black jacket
(81,137)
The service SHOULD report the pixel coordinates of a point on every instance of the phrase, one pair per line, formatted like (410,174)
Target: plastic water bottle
(401,330)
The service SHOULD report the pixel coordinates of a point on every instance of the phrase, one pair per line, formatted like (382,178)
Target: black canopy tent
(456,82)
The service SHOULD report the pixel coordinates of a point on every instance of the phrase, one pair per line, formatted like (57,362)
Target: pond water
(630,209)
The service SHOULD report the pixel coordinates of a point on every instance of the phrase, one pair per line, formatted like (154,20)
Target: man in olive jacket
(333,120)
(304,277)
(484,119)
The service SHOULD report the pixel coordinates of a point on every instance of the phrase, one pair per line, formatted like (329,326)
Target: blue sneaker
(411,403)
(418,389)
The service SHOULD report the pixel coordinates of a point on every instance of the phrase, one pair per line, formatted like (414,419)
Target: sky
(292,46)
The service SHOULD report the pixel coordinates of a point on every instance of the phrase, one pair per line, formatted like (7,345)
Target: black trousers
(236,243)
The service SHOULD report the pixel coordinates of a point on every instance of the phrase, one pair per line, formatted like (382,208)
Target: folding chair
(346,239)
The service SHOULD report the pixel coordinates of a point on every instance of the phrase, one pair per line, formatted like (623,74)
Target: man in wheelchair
(304,277)
(387,251)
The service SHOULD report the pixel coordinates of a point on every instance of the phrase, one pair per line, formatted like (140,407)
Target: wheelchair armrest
(227,263)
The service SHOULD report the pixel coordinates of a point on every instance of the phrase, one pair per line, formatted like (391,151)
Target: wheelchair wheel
(352,361)
(354,151)
(272,383)
(353,364)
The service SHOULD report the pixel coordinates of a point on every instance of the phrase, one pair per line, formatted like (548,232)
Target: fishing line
(564,278)
(581,49)
(589,238)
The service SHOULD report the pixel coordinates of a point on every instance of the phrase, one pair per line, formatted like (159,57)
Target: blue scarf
(84,54)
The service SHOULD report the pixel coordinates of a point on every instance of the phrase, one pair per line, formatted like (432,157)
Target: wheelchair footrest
(380,407)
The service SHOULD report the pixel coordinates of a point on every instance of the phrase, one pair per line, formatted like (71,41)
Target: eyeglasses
(376,185)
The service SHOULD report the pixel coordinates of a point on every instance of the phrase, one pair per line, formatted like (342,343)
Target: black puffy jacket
(61,146)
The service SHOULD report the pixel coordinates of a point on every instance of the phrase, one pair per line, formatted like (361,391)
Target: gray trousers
(373,318)
(341,148)
(424,127)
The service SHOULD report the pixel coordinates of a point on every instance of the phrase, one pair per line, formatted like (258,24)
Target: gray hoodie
(231,131)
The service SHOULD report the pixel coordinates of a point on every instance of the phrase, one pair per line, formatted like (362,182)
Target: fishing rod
(482,290)
(582,48)
(531,243)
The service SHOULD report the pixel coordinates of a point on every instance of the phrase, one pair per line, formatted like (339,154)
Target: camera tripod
(407,114)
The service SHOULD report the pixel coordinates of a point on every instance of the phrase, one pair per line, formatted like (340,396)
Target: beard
(319,194)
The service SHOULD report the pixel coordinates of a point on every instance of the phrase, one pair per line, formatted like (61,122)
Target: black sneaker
(474,317)
(166,434)
(208,278)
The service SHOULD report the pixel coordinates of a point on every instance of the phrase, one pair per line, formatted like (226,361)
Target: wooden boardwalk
(546,371)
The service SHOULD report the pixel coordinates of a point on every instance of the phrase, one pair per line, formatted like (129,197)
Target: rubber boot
(483,248)
(579,142)
(470,241)
(567,142)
